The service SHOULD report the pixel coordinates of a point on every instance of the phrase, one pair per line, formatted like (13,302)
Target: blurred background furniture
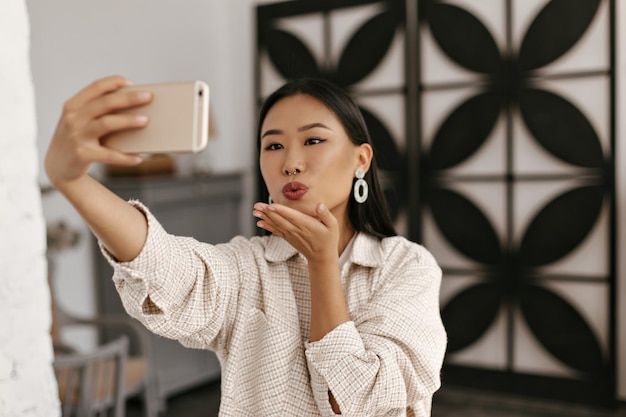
(139,379)
(206,207)
(90,384)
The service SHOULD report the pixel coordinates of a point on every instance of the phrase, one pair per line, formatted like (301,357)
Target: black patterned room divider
(493,124)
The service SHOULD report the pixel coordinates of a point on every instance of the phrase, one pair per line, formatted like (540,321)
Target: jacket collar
(367,250)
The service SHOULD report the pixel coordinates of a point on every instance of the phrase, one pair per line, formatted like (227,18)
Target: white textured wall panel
(27,384)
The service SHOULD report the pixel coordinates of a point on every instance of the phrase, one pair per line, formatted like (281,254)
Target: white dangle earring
(269,199)
(361,189)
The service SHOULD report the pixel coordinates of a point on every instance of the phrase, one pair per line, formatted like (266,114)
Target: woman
(329,313)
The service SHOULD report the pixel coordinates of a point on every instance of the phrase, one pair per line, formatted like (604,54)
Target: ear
(365,154)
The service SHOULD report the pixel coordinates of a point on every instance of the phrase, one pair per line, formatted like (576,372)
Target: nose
(293,163)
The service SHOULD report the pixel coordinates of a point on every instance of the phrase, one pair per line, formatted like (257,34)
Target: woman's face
(300,134)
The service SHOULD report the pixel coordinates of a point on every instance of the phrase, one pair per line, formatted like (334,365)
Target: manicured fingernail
(144,95)
(141,119)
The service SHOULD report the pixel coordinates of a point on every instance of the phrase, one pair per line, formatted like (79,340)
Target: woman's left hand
(314,235)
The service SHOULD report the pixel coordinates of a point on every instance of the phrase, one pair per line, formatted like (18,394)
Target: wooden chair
(91,384)
(139,378)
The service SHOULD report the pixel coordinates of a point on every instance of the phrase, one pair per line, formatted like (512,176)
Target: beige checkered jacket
(248,300)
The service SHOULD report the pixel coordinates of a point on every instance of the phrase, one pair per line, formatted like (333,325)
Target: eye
(314,141)
(273,147)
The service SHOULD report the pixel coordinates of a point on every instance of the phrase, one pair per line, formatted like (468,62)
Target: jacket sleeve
(387,361)
(178,287)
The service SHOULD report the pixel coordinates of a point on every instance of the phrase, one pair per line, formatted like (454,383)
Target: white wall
(25,345)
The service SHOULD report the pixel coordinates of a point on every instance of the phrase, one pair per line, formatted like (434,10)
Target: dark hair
(372,216)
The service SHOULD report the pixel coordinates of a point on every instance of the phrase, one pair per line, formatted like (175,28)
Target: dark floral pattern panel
(516,115)
(493,125)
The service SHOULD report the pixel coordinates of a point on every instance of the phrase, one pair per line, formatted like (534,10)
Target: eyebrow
(300,129)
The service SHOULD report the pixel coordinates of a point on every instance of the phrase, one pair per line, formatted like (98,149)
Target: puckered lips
(294,190)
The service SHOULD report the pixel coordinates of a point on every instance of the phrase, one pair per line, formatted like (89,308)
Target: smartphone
(178,120)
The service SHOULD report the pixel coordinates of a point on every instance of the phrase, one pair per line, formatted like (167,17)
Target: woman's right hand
(87,117)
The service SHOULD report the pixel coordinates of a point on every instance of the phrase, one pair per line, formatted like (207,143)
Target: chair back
(91,384)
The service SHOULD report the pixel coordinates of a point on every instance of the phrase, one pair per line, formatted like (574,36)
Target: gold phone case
(179,120)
